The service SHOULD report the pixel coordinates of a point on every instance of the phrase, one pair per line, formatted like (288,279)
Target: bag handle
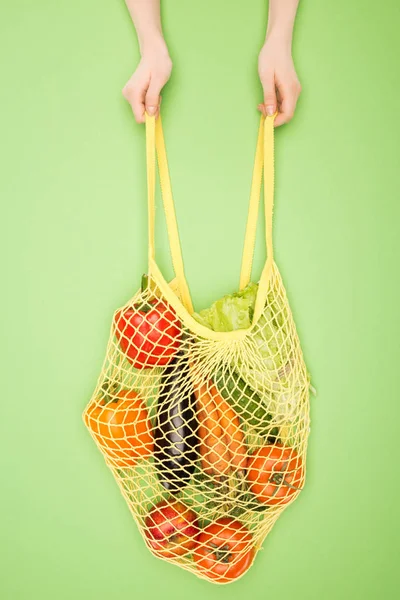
(264,161)
(155,144)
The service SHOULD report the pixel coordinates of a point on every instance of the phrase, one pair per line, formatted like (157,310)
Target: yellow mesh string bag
(204,423)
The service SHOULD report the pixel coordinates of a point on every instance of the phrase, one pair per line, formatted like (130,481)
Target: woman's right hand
(144,87)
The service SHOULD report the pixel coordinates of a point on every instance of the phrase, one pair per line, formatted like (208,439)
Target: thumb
(152,99)
(270,96)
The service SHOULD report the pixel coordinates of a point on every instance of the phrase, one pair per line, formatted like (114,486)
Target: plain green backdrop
(74,247)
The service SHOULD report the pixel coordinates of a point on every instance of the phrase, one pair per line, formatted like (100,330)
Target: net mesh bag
(204,423)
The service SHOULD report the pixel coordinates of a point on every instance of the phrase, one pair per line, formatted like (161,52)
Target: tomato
(224,550)
(171,529)
(122,427)
(275,474)
(148,334)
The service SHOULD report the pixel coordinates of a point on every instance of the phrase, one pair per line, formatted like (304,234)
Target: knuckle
(296,87)
(168,64)
(130,91)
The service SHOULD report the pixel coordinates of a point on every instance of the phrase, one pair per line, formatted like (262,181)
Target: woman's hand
(275,64)
(144,87)
(279,81)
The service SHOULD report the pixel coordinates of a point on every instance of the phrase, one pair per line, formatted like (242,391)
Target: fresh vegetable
(245,401)
(224,550)
(233,434)
(271,374)
(275,473)
(215,456)
(171,529)
(176,442)
(120,424)
(233,311)
(222,446)
(149,333)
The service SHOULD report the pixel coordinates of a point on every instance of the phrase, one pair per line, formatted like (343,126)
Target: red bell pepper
(149,334)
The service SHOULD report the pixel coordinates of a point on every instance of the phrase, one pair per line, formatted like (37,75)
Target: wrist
(280,37)
(153,43)
(280,31)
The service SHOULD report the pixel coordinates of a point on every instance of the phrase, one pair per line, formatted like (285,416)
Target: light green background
(73,194)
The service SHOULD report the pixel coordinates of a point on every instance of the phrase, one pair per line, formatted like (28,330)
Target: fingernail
(151,110)
(270,110)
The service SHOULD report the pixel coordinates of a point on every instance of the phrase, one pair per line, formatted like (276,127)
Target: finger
(152,100)
(138,105)
(136,97)
(286,112)
(158,108)
(261,108)
(287,106)
(270,103)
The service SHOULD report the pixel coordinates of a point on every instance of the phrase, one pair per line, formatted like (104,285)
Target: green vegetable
(246,402)
(233,311)
(270,373)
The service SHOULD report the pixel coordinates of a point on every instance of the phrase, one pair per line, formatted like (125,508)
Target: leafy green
(231,312)
(269,370)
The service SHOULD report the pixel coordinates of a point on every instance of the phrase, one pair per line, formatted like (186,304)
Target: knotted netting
(204,419)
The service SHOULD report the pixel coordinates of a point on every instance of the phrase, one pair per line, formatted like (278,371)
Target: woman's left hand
(279,80)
